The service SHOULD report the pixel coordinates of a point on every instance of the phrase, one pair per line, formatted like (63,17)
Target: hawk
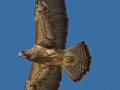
(49,55)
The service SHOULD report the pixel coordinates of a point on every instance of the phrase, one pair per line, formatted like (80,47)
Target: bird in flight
(49,54)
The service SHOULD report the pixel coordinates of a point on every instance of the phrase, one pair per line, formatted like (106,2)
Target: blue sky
(95,21)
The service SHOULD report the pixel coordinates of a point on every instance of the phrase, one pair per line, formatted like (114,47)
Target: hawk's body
(49,56)
(45,56)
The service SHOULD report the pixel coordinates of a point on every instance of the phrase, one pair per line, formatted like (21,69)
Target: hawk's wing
(51,81)
(51,32)
(51,23)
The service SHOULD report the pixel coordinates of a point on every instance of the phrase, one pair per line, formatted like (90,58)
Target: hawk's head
(32,54)
(26,54)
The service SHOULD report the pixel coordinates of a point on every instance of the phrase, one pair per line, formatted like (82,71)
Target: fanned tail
(82,60)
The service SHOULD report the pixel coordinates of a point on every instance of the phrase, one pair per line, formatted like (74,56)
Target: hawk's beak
(20,54)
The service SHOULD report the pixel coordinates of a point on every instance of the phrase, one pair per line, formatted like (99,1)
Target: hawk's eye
(23,51)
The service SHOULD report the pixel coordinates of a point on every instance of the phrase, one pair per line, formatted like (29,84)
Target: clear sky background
(95,21)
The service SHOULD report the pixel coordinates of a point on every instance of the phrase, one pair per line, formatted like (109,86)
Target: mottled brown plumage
(49,56)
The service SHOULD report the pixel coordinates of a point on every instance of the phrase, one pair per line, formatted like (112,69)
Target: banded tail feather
(82,59)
